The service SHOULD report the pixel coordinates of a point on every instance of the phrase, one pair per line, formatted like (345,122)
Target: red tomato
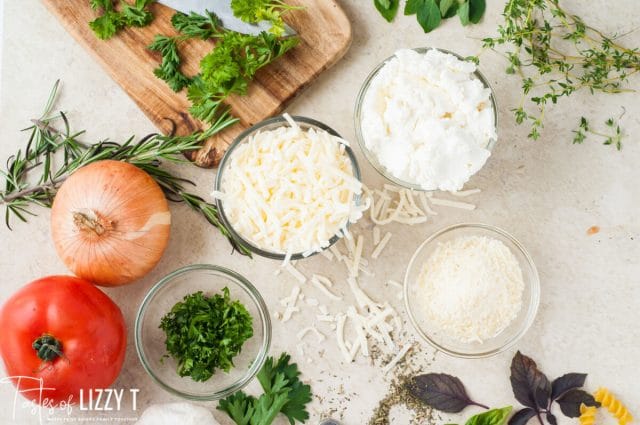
(65,331)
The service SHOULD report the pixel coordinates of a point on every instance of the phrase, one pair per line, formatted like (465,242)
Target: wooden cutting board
(325,34)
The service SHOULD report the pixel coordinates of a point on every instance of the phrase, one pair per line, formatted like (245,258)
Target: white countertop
(546,193)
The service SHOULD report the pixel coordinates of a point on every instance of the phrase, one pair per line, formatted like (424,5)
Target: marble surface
(547,193)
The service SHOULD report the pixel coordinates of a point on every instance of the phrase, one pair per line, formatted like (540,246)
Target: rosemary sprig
(564,53)
(57,153)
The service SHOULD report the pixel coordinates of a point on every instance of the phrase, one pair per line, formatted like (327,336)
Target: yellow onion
(110,223)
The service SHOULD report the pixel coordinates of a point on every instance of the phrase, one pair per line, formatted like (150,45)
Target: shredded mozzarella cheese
(291,190)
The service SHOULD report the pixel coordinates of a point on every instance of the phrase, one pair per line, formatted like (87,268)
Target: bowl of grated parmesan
(288,188)
(426,119)
(471,290)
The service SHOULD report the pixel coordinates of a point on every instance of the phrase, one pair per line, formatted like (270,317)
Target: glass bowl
(150,339)
(371,157)
(505,339)
(266,125)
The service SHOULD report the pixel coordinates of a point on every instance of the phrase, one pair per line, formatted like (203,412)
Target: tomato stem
(48,348)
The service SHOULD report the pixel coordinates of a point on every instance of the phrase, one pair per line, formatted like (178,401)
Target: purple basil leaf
(441,391)
(543,392)
(530,386)
(551,418)
(522,416)
(570,402)
(570,381)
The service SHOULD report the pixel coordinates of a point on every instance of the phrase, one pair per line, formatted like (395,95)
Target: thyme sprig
(56,153)
(613,137)
(565,54)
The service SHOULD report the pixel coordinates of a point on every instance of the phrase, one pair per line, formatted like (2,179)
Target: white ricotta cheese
(428,119)
(471,288)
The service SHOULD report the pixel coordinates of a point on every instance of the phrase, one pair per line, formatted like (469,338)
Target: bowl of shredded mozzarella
(426,119)
(288,188)
(471,290)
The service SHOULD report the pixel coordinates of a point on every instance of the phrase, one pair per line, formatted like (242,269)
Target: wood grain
(325,34)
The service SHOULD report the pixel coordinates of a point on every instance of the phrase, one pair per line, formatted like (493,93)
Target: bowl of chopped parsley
(203,332)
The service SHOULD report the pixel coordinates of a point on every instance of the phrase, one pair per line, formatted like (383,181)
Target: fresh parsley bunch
(227,69)
(283,393)
(111,21)
(206,333)
(430,13)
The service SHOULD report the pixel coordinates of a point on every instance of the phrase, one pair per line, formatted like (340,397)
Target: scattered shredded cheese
(453,204)
(383,243)
(295,273)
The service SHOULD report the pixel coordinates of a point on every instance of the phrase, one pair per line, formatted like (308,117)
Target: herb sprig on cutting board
(227,69)
(117,15)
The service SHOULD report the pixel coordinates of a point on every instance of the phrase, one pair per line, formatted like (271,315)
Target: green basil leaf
(476,10)
(412,6)
(429,16)
(387,8)
(491,417)
(463,13)
(445,6)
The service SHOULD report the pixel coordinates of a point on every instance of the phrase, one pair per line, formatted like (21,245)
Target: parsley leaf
(205,333)
(283,393)
(253,11)
(111,21)
(169,69)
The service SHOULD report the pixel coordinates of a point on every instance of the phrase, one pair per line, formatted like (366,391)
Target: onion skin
(110,223)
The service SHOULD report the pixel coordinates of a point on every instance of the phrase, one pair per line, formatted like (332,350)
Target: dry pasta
(617,409)
(587,414)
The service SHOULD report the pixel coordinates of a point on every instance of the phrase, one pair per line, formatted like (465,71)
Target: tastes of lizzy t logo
(40,405)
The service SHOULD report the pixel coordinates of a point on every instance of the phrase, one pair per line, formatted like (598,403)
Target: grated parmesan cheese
(471,288)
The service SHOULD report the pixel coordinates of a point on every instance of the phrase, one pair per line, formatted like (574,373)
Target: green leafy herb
(387,8)
(231,66)
(111,20)
(283,393)
(613,138)
(227,69)
(555,53)
(205,333)
(253,11)
(56,153)
(430,13)
(491,417)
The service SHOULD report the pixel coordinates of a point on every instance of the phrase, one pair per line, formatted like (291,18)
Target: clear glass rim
(238,140)
(532,307)
(262,311)
(358,117)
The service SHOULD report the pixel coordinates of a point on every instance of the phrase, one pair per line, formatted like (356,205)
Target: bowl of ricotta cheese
(426,119)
